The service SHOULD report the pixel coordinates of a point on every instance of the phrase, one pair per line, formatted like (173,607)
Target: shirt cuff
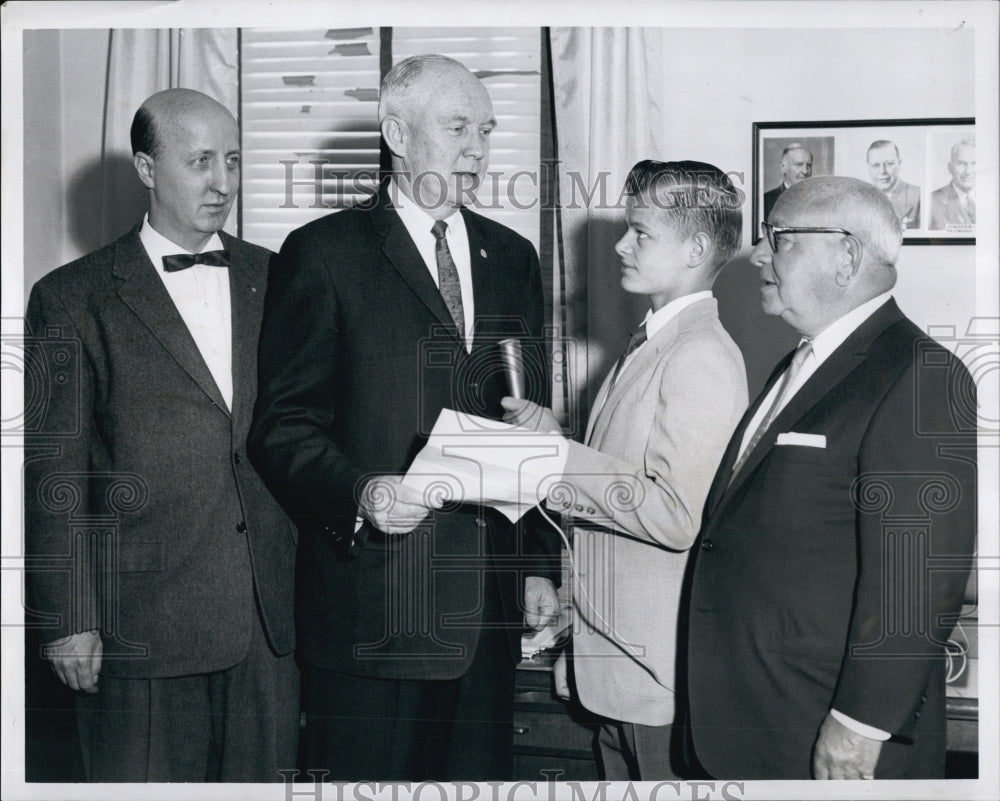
(860,728)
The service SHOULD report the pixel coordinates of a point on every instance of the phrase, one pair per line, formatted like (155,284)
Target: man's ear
(144,166)
(850,262)
(396,135)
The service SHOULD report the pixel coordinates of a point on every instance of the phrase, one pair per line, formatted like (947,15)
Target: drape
(610,113)
(140,63)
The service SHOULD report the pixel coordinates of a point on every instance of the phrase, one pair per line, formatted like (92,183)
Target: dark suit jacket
(830,576)
(144,518)
(770,197)
(358,356)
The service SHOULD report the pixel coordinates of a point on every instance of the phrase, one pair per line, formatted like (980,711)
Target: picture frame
(926,166)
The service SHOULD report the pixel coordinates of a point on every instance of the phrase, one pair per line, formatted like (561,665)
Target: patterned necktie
(798,359)
(638,337)
(448,281)
(181,261)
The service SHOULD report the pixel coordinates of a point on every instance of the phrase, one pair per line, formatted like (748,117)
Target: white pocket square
(805,440)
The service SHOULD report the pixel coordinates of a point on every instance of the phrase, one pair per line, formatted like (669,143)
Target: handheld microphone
(513,366)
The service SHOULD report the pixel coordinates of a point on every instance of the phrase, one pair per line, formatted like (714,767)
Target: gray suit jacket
(946,209)
(656,438)
(144,518)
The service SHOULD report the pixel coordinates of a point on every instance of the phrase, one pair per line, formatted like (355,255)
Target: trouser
(364,728)
(235,725)
(632,751)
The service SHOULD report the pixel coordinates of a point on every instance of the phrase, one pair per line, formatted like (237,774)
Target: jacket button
(707,545)
(578,508)
(241,527)
(236,458)
(480,522)
(591,510)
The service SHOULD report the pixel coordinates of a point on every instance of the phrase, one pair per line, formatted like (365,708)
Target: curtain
(140,63)
(609,114)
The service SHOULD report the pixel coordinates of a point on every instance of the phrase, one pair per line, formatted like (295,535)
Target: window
(309,117)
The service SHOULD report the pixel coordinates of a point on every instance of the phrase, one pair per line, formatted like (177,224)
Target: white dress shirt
(418,224)
(201,295)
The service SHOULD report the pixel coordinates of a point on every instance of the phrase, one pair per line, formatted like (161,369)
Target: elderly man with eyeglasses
(839,531)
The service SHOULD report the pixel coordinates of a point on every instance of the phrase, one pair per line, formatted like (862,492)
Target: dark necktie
(448,281)
(181,261)
(638,337)
(798,359)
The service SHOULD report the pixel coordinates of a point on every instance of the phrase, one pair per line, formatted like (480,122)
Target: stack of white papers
(471,459)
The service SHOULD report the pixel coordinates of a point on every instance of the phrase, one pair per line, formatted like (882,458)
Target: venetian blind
(309,118)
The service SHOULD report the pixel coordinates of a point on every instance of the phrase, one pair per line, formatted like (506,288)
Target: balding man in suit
(839,530)
(796,165)
(164,563)
(379,317)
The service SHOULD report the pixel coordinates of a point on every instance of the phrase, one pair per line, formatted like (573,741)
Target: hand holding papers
(394,508)
(471,459)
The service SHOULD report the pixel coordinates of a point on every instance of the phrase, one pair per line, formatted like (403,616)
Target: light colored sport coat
(636,494)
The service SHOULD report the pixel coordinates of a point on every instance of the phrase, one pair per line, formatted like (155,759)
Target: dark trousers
(362,728)
(234,725)
(632,751)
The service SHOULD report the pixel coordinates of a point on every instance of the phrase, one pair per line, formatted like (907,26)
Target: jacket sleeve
(701,394)
(59,478)
(540,543)
(289,440)
(915,498)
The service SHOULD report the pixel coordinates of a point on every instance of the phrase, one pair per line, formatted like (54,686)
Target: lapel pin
(482,253)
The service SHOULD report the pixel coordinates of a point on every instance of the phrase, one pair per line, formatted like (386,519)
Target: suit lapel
(484,293)
(612,394)
(246,299)
(142,290)
(398,248)
(835,369)
(644,359)
(723,475)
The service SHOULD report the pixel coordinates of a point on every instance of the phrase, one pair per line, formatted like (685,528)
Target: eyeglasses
(772,232)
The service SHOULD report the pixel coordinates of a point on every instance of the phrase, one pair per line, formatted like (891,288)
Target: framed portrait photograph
(926,167)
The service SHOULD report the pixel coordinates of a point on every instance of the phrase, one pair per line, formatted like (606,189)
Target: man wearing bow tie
(163,564)
(378,317)
(840,527)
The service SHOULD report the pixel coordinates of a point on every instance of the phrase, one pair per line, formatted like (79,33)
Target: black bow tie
(181,261)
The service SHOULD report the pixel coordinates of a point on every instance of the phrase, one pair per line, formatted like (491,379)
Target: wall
(718,82)
(65,74)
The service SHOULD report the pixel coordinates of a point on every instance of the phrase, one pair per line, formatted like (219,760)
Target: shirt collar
(655,321)
(157,245)
(833,336)
(415,218)
(962,193)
